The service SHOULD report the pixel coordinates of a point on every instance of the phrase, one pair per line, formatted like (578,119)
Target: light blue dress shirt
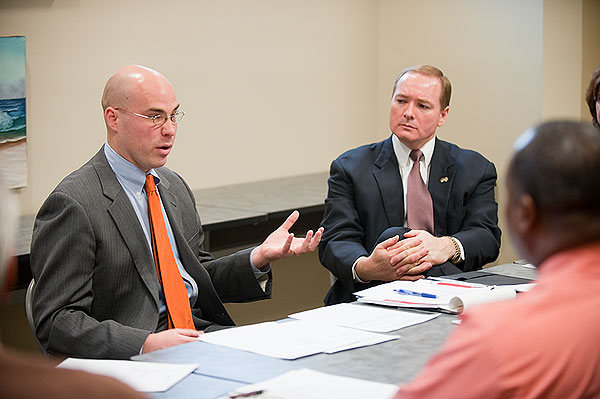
(132,180)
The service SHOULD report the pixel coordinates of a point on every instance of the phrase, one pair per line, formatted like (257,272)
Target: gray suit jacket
(97,290)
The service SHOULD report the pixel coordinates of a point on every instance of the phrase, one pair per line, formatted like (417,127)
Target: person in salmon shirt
(543,344)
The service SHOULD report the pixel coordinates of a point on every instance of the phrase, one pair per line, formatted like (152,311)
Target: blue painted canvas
(13,126)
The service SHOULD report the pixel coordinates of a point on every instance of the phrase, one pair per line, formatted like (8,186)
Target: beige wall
(591,48)
(279,87)
(492,54)
(271,88)
(561,93)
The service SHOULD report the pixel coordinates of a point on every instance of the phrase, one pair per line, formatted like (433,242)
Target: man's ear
(443,116)
(528,215)
(110,118)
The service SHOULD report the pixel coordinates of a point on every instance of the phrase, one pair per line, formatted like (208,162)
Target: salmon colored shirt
(543,344)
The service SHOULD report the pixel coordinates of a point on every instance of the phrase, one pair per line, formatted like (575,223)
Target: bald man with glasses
(115,278)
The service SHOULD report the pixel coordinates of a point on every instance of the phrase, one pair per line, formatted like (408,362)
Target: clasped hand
(407,259)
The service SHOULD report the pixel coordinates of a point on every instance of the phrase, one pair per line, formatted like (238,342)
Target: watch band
(457,253)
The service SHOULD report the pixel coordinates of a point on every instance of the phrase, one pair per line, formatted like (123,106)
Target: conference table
(222,369)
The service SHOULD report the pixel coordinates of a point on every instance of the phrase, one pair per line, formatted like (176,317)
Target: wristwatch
(456,258)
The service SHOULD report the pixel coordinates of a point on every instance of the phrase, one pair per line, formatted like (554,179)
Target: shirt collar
(129,175)
(403,152)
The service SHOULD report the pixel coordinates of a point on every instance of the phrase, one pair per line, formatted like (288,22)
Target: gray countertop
(24,231)
(268,196)
(238,204)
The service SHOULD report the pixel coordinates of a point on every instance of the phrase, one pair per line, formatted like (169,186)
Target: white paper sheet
(368,318)
(463,301)
(310,384)
(141,376)
(293,339)
(449,295)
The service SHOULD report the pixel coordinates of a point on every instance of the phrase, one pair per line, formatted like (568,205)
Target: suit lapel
(441,180)
(127,223)
(169,201)
(207,301)
(388,180)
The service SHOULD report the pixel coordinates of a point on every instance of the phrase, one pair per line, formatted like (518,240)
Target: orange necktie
(178,304)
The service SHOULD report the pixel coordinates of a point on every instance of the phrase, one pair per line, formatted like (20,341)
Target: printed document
(293,339)
(310,384)
(438,294)
(364,317)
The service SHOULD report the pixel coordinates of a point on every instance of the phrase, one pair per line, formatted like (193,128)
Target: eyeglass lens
(175,118)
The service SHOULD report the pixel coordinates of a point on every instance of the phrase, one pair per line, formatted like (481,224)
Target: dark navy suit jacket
(366,197)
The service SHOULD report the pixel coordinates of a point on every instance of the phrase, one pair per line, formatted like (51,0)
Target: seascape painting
(13,129)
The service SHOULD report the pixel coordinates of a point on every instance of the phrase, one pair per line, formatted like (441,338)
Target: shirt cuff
(354,275)
(257,272)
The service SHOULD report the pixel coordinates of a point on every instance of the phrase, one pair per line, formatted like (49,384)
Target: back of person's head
(430,70)
(558,165)
(592,94)
(8,218)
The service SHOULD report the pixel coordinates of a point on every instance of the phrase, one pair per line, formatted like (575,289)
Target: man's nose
(169,128)
(408,111)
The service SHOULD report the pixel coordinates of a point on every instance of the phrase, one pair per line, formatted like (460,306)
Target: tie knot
(150,185)
(416,155)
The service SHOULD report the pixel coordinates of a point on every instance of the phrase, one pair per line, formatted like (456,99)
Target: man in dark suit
(98,294)
(368,237)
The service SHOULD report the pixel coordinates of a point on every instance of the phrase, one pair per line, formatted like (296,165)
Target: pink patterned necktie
(419,206)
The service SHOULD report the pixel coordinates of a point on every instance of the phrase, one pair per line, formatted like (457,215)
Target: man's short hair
(591,95)
(429,70)
(558,165)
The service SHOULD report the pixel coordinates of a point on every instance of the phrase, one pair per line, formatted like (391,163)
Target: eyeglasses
(159,119)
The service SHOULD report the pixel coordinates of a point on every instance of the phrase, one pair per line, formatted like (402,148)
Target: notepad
(441,294)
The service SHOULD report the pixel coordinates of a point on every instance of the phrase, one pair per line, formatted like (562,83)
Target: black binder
(483,277)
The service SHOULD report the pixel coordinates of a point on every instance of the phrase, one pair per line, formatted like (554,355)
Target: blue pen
(415,293)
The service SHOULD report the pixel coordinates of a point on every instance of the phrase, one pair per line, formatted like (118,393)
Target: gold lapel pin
(444,179)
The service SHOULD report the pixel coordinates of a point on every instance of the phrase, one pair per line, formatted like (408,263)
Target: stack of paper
(310,384)
(293,339)
(439,294)
(364,317)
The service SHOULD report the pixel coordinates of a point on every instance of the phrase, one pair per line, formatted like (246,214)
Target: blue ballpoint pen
(415,293)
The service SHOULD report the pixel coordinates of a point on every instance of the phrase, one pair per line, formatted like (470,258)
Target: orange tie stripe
(178,304)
